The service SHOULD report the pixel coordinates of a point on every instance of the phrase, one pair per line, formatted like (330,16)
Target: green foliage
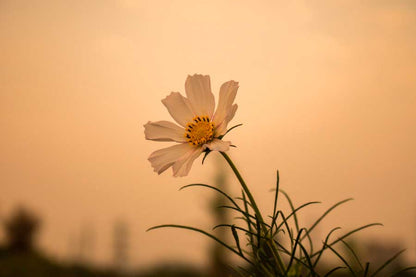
(281,247)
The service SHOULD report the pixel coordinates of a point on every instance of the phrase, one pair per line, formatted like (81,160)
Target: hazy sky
(327,96)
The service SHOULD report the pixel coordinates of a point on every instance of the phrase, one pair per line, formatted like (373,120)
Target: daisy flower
(200,128)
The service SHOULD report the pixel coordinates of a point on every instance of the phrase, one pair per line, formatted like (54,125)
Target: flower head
(199,129)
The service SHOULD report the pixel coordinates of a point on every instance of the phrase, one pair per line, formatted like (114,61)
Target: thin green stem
(255,208)
(245,188)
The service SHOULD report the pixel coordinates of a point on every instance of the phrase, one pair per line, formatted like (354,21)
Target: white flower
(200,128)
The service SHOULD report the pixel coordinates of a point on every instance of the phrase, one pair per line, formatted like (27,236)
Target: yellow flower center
(200,130)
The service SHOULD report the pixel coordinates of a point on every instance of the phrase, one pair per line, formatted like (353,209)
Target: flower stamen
(199,131)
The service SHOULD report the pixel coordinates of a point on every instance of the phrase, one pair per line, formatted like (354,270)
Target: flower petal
(198,91)
(222,127)
(217,145)
(164,131)
(225,109)
(164,158)
(179,108)
(183,166)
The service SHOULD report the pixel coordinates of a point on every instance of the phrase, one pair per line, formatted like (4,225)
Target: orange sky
(327,96)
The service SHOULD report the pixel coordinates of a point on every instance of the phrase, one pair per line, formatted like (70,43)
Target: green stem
(253,205)
(246,190)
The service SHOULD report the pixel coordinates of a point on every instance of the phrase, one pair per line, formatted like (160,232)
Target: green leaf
(202,232)
(293,210)
(326,213)
(235,126)
(342,259)
(297,240)
(249,223)
(387,263)
(289,231)
(323,247)
(353,254)
(237,240)
(283,249)
(310,242)
(230,226)
(214,188)
(244,200)
(345,236)
(276,194)
(247,215)
(333,270)
(310,265)
(367,267)
(398,273)
(354,231)
(207,151)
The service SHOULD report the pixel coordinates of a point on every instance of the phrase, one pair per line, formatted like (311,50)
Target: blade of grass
(244,200)
(310,242)
(276,195)
(343,260)
(347,235)
(367,267)
(274,222)
(202,232)
(293,252)
(323,247)
(236,238)
(283,249)
(235,126)
(354,231)
(214,188)
(404,270)
(326,213)
(311,267)
(230,226)
(293,210)
(289,231)
(353,254)
(387,263)
(246,215)
(333,270)
(249,222)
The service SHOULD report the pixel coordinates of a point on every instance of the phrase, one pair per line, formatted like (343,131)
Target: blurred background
(327,96)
